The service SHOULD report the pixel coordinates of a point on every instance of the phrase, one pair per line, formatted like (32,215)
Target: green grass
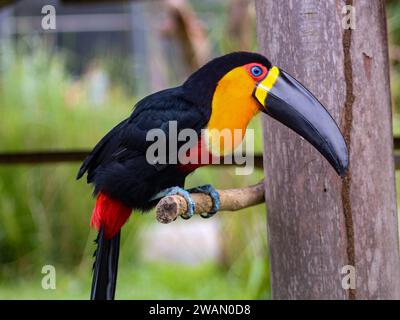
(139,281)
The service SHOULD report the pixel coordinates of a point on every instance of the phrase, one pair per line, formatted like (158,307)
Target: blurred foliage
(144,281)
(42,212)
(45,212)
(215,15)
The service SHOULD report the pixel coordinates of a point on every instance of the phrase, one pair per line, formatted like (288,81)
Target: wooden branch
(170,207)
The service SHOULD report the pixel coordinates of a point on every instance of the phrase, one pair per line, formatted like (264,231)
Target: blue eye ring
(256,71)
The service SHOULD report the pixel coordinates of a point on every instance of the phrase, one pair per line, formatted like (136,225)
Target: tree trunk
(317,222)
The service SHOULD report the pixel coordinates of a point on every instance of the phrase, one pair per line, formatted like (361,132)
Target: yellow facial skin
(233,106)
(266,85)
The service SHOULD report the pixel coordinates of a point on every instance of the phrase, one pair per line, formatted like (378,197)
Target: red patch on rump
(110,214)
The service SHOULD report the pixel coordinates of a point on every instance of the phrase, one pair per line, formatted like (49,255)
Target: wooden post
(318,223)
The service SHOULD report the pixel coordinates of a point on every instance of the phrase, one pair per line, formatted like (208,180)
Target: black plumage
(105,267)
(118,166)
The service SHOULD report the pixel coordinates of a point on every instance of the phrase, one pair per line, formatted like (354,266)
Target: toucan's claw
(206,189)
(210,190)
(182,192)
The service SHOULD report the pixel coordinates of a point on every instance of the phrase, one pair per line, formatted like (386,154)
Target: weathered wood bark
(318,223)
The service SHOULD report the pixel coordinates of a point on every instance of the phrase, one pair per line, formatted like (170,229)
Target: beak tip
(342,167)
(290,103)
(342,171)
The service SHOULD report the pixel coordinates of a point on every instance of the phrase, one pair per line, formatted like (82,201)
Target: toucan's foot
(182,192)
(209,190)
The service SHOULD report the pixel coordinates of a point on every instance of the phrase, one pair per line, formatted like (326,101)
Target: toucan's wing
(102,150)
(128,139)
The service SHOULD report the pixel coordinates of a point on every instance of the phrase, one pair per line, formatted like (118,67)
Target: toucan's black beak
(288,101)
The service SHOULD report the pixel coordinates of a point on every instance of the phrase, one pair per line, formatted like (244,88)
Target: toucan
(224,94)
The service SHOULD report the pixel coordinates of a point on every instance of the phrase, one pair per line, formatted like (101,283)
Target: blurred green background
(53,96)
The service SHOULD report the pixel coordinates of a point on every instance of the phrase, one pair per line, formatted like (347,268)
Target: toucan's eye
(256,71)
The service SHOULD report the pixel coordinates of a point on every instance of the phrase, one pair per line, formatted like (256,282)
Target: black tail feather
(105,267)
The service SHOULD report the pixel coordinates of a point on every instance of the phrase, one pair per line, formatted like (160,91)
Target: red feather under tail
(109,213)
